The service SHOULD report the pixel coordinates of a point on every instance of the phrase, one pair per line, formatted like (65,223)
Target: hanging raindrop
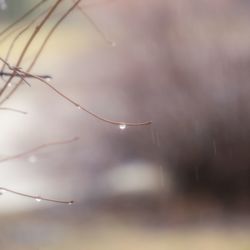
(38,199)
(2,191)
(32,159)
(122,126)
(47,78)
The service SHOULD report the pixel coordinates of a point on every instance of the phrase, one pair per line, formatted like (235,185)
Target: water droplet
(122,126)
(32,159)
(9,84)
(47,78)
(2,191)
(38,199)
(78,106)
(70,203)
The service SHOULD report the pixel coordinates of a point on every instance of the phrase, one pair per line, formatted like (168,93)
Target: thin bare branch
(25,49)
(51,32)
(19,35)
(77,105)
(90,20)
(14,110)
(46,77)
(37,198)
(11,32)
(22,17)
(14,74)
(35,149)
(16,71)
(41,49)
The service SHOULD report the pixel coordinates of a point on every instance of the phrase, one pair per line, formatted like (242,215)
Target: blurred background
(182,183)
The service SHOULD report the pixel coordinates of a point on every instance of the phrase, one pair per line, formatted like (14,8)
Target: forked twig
(25,49)
(77,105)
(19,35)
(2,74)
(16,71)
(41,48)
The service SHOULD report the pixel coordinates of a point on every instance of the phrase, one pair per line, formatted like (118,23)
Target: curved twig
(14,110)
(22,17)
(37,198)
(19,35)
(103,35)
(77,105)
(25,49)
(28,152)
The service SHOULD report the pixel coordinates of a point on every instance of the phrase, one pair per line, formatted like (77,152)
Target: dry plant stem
(19,35)
(41,49)
(37,198)
(33,150)
(23,17)
(32,37)
(9,74)
(51,33)
(14,110)
(15,73)
(94,25)
(77,105)
(12,31)
(60,93)
(37,29)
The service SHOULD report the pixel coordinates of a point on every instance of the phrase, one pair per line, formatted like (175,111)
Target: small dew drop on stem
(38,199)
(122,126)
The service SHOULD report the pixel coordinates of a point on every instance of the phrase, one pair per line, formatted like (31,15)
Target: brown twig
(14,110)
(90,20)
(41,49)
(77,105)
(2,74)
(16,71)
(37,198)
(51,32)
(19,35)
(25,49)
(22,17)
(35,149)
